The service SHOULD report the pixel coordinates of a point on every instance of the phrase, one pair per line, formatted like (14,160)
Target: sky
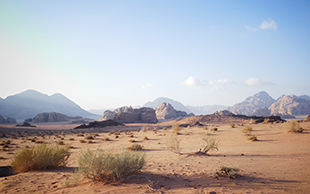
(107,54)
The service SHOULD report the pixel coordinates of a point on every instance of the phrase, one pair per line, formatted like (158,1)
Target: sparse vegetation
(101,166)
(227,172)
(214,129)
(135,147)
(252,138)
(210,143)
(176,128)
(106,139)
(71,139)
(145,138)
(252,121)
(89,137)
(293,127)
(132,140)
(247,130)
(82,141)
(232,125)
(266,121)
(43,156)
(173,143)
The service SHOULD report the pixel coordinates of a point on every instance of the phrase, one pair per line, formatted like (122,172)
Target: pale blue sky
(106,54)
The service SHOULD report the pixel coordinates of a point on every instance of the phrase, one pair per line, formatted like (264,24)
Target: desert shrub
(145,138)
(213,129)
(252,121)
(266,121)
(210,143)
(62,133)
(232,125)
(40,142)
(71,139)
(106,139)
(89,141)
(252,138)
(80,135)
(111,132)
(43,156)
(247,130)
(173,143)
(82,141)
(205,127)
(293,127)
(101,166)
(89,137)
(228,172)
(132,140)
(116,136)
(135,147)
(176,128)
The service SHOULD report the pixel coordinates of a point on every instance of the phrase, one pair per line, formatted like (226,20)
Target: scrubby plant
(145,138)
(247,130)
(100,166)
(252,121)
(89,141)
(132,140)
(293,127)
(106,139)
(82,141)
(266,121)
(60,142)
(173,143)
(210,143)
(232,125)
(80,135)
(176,128)
(135,147)
(213,129)
(228,172)
(43,156)
(252,138)
(89,137)
(71,139)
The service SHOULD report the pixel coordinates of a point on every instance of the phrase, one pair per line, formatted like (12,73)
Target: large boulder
(50,117)
(165,111)
(141,115)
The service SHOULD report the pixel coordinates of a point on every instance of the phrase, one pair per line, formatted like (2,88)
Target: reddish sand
(276,163)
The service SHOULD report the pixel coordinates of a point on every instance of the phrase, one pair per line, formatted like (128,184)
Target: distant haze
(103,54)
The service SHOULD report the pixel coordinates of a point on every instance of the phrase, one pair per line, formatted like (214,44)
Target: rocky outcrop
(8,120)
(25,124)
(98,124)
(165,111)
(50,117)
(290,105)
(141,115)
(107,115)
(259,100)
(261,112)
(223,113)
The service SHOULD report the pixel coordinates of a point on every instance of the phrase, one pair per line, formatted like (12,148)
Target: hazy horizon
(104,54)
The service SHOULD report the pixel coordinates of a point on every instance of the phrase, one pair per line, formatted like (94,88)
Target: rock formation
(98,124)
(246,107)
(261,112)
(8,120)
(141,115)
(50,117)
(223,113)
(290,105)
(165,111)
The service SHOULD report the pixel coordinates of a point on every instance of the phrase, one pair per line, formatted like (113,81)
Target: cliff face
(290,105)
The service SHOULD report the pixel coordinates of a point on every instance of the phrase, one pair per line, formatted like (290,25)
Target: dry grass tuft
(173,143)
(135,147)
(43,156)
(176,128)
(293,127)
(247,130)
(100,166)
(227,172)
(210,143)
(252,138)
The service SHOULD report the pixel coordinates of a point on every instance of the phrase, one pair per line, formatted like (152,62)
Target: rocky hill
(158,101)
(291,105)
(246,107)
(165,111)
(30,103)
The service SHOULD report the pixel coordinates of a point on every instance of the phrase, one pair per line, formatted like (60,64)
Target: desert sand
(277,163)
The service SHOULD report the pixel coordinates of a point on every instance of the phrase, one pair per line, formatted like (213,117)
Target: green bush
(43,156)
(101,166)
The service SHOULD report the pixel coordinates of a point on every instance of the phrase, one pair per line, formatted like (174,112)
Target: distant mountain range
(30,103)
(176,105)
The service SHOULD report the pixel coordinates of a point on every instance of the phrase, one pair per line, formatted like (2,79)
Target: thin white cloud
(256,82)
(147,85)
(192,82)
(265,25)
(270,24)
(219,84)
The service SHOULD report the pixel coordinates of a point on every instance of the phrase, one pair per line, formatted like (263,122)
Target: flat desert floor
(277,163)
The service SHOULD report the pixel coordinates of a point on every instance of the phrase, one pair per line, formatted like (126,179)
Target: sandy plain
(277,163)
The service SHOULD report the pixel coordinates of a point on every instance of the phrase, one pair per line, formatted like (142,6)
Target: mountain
(158,101)
(291,105)
(207,109)
(30,103)
(306,97)
(259,100)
